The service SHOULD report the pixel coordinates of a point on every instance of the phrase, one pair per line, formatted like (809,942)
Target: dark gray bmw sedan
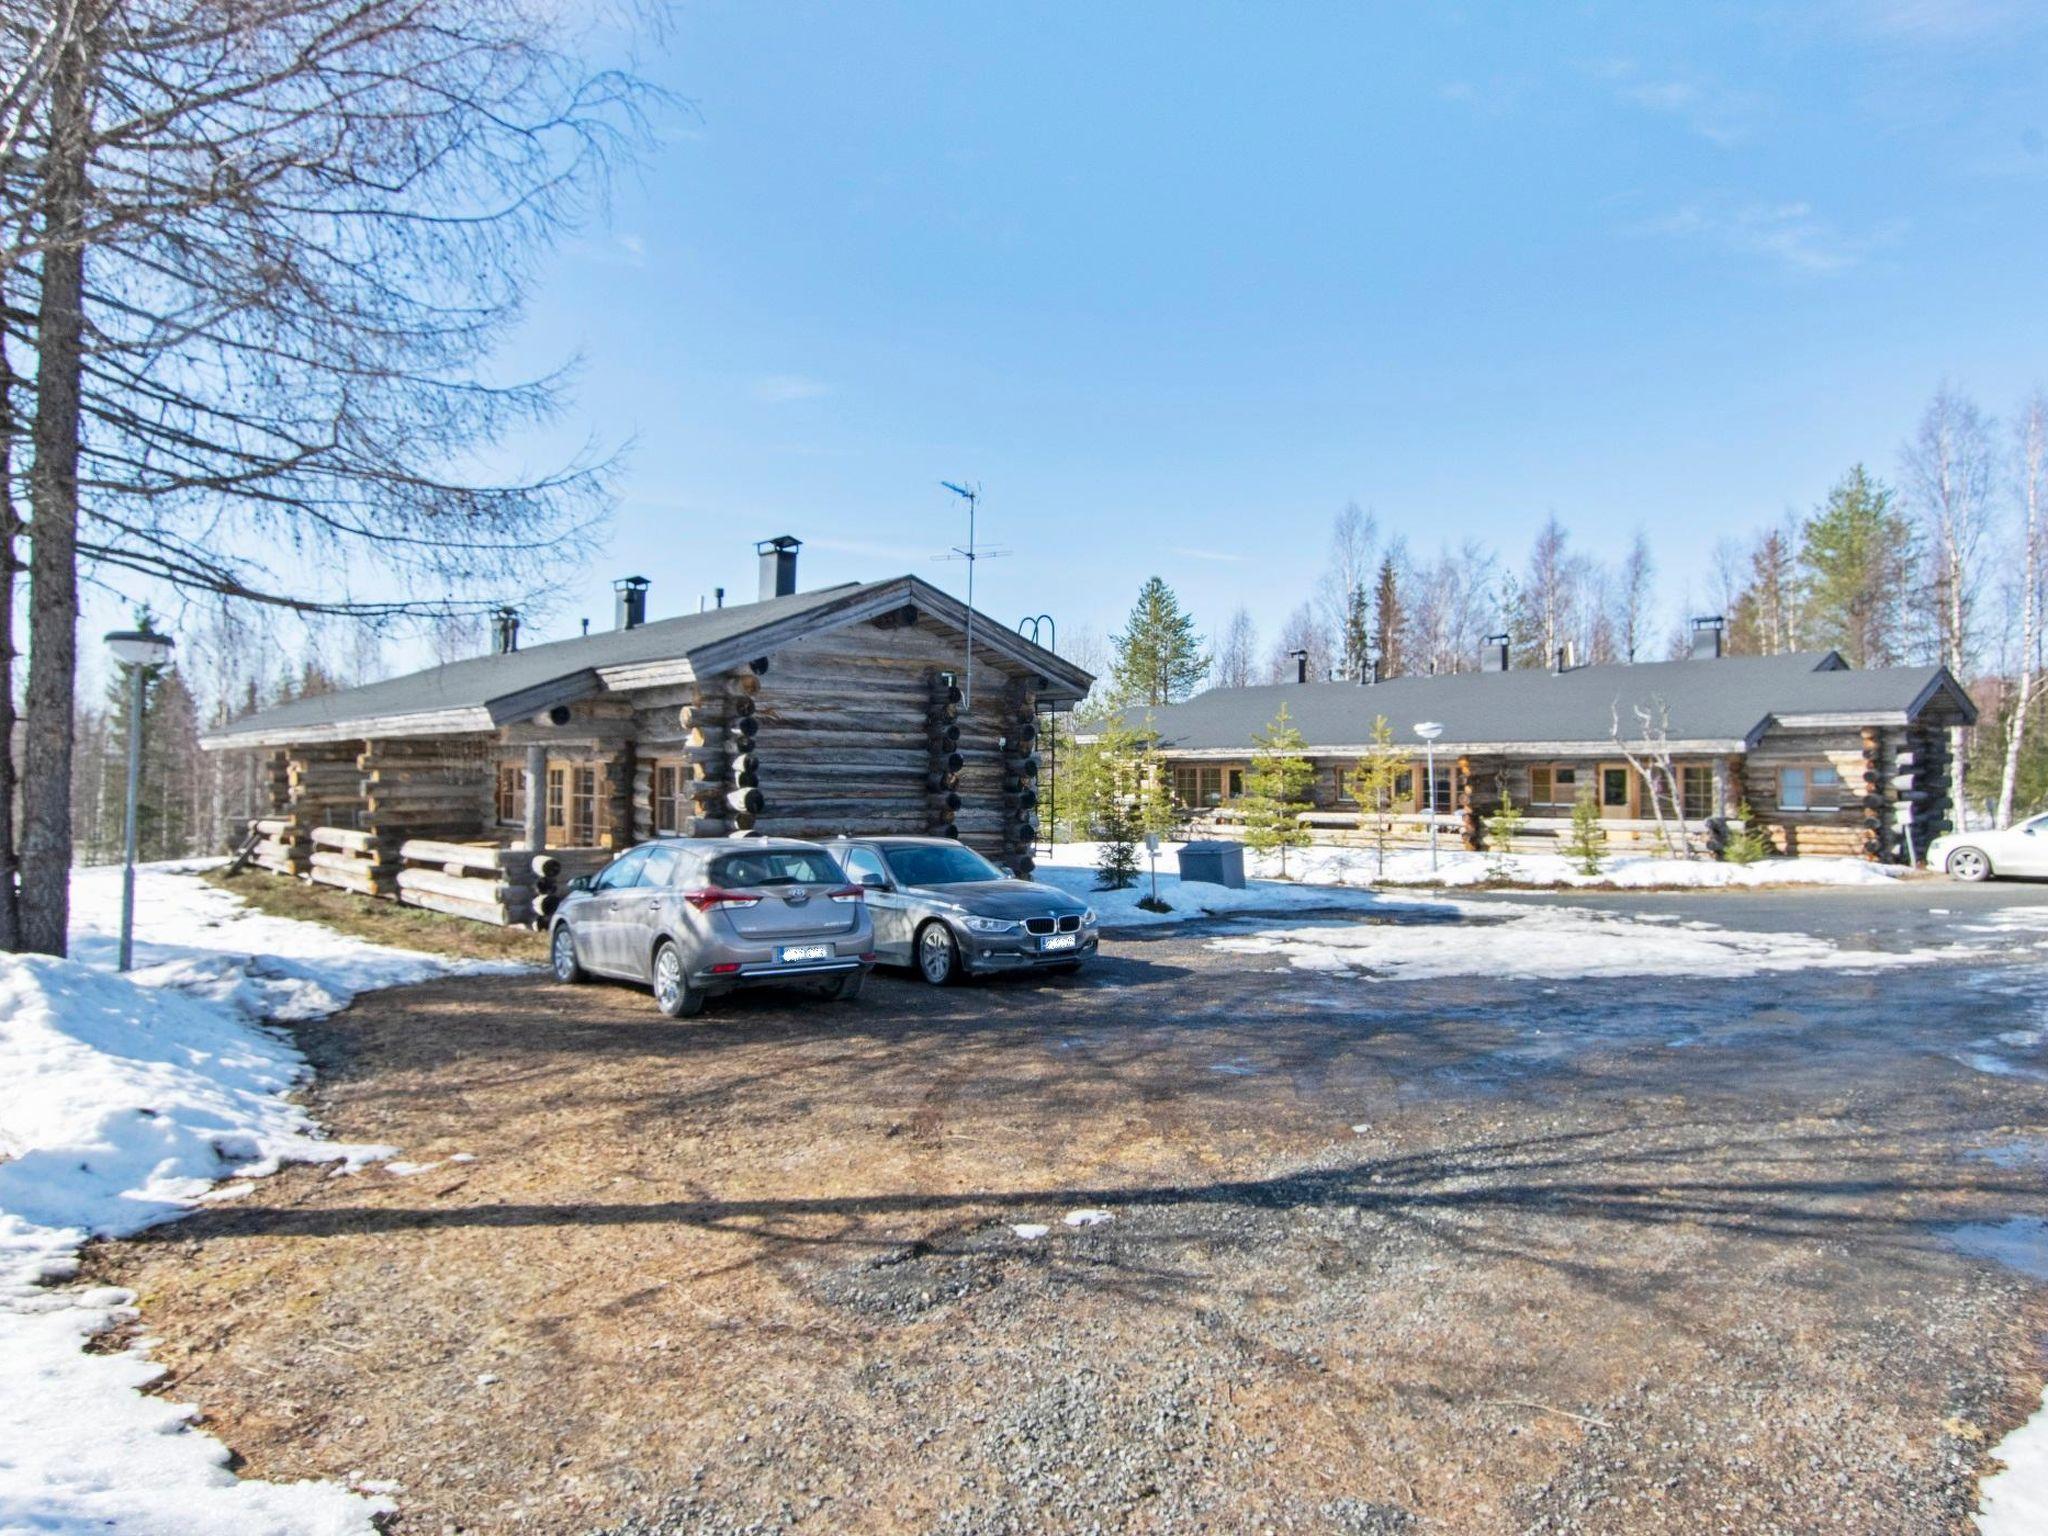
(944,910)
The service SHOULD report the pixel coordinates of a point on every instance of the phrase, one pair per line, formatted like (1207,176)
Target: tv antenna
(970,554)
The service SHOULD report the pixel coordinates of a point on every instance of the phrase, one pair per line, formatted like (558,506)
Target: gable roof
(1719,705)
(480,693)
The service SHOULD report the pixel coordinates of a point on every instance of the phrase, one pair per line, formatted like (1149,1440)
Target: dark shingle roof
(1726,701)
(480,691)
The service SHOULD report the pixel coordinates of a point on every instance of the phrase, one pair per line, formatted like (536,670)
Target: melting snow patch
(1030,1231)
(1552,943)
(128,1098)
(2014,1502)
(1088,1218)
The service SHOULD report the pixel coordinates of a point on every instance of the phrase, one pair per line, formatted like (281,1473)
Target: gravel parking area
(1475,1254)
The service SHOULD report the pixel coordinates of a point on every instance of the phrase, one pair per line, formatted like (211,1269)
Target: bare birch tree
(1354,542)
(1649,758)
(1948,483)
(271,245)
(1236,653)
(2031,474)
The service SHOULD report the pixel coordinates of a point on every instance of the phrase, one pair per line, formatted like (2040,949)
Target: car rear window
(776,866)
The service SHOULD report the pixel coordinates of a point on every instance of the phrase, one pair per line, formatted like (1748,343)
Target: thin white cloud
(1718,113)
(1789,234)
(1220,557)
(1941,20)
(782,388)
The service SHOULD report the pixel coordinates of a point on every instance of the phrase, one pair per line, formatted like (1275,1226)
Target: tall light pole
(1429,730)
(138,650)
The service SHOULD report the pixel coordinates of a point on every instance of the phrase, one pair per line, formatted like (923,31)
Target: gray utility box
(1213,863)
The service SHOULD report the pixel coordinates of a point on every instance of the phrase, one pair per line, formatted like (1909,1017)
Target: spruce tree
(1389,619)
(1275,789)
(1502,828)
(1159,656)
(1856,559)
(1355,658)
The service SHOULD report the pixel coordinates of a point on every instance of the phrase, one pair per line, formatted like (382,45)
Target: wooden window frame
(509,796)
(668,798)
(1708,802)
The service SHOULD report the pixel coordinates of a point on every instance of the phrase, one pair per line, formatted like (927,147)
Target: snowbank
(1331,867)
(126,1099)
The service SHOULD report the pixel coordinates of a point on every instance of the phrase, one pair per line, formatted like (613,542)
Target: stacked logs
(720,728)
(279,848)
(474,880)
(1921,771)
(1876,799)
(944,760)
(422,787)
(1020,782)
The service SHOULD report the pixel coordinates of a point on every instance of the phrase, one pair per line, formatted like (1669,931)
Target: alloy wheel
(1968,864)
(935,954)
(668,978)
(564,955)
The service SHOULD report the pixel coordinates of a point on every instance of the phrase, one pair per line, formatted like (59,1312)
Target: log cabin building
(1828,758)
(804,714)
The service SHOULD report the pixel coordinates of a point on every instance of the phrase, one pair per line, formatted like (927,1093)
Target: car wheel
(1969,864)
(562,956)
(673,994)
(846,989)
(938,956)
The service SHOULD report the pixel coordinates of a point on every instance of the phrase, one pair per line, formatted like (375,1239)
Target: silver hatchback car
(695,918)
(947,911)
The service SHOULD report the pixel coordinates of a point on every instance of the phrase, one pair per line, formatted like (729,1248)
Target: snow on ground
(1549,943)
(127,1099)
(2015,1502)
(1323,867)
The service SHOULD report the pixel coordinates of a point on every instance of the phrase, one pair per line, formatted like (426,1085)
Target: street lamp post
(138,650)
(1429,730)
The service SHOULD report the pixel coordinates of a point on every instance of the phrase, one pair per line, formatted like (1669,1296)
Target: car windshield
(939,866)
(776,866)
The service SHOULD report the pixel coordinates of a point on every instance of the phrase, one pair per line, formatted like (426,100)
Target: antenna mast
(970,554)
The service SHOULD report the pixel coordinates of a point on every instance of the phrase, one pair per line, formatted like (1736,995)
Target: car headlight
(989,925)
(1088,917)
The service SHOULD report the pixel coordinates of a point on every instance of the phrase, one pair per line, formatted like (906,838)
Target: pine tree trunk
(53,493)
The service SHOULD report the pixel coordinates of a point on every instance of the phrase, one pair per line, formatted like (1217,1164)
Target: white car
(2021,849)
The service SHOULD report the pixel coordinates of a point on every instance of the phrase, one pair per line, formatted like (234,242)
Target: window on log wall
(576,814)
(511,793)
(670,804)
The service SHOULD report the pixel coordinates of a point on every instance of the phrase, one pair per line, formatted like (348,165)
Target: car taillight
(849,893)
(711,896)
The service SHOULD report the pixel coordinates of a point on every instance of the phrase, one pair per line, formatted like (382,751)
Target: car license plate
(794,952)
(1059,941)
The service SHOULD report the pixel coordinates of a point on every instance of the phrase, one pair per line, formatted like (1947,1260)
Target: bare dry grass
(381,922)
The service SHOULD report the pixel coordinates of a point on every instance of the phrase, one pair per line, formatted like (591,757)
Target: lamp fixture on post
(139,650)
(1429,730)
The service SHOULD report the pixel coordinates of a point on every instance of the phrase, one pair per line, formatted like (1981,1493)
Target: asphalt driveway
(1477,1254)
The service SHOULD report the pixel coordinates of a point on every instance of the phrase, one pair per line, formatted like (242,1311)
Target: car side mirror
(871,879)
(580,883)
(1008,873)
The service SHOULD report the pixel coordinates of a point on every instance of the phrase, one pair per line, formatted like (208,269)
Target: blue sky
(1175,282)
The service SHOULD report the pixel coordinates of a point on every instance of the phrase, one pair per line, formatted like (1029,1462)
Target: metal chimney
(632,608)
(505,631)
(1493,654)
(1300,665)
(778,565)
(1561,662)
(1706,637)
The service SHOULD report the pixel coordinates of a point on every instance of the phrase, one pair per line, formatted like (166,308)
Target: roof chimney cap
(632,606)
(1300,665)
(1493,654)
(1707,634)
(778,565)
(505,630)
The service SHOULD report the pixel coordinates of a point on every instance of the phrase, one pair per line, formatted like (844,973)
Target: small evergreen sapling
(1746,842)
(1373,783)
(1275,789)
(1116,861)
(1587,845)
(1502,828)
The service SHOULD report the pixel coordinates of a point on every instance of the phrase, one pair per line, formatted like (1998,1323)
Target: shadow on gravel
(1820,1185)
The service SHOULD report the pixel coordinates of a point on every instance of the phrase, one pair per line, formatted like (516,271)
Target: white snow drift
(126,1099)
